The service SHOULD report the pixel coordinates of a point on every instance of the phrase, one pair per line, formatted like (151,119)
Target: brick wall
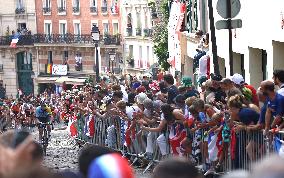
(84,16)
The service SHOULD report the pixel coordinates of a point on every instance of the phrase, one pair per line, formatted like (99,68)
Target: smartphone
(19,137)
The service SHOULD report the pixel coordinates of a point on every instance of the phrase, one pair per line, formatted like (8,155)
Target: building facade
(57,46)
(17,16)
(137,22)
(258,47)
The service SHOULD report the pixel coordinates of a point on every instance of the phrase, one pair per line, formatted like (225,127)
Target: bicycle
(45,136)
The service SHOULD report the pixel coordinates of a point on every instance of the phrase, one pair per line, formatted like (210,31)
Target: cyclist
(42,115)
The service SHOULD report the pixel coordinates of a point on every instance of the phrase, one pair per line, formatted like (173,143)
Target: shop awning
(71,80)
(46,79)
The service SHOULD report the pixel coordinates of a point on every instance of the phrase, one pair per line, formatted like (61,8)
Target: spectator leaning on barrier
(275,105)
(278,77)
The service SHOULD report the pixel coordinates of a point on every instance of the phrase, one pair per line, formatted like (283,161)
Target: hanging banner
(59,69)
(174,26)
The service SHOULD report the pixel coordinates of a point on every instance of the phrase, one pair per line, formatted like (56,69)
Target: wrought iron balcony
(46,10)
(76,9)
(60,39)
(147,32)
(20,10)
(93,9)
(112,39)
(138,32)
(61,9)
(104,9)
(23,40)
(129,31)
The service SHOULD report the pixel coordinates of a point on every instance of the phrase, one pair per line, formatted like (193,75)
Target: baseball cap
(237,79)
(187,81)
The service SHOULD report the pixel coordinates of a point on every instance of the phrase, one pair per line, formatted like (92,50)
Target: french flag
(14,42)
(279,146)
(212,147)
(90,126)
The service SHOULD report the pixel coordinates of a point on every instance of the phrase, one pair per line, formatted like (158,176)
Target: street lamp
(112,58)
(96,38)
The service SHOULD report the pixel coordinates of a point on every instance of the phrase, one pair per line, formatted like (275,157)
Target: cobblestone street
(62,153)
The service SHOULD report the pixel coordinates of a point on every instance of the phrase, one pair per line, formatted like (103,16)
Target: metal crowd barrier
(250,147)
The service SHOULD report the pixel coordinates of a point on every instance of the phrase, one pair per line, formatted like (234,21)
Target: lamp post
(96,38)
(112,58)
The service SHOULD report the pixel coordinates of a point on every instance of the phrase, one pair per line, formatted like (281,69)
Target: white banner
(59,69)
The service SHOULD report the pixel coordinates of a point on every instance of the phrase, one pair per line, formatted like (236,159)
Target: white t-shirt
(281,90)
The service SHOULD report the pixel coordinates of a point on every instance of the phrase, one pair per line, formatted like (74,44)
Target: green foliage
(160,37)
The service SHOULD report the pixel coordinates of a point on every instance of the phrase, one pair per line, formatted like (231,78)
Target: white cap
(237,79)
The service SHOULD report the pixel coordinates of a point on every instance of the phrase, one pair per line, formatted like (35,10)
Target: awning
(71,80)
(46,79)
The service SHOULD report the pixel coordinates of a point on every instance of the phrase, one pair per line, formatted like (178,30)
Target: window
(148,55)
(93,3)
(61,6)
(20,4)
(115,28)
(62,28)
(131,50)
(77,28)
(104,3)
(65,58)
(49,57)
(46,3)
(114,7)
(47,28)
(138,15)
(140,57)
(76,6)
(94,22)
(192,19)
(106,28)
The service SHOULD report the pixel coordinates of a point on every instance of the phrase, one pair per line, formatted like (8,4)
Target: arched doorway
(24,72)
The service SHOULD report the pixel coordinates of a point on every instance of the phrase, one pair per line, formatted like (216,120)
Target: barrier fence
(242,150)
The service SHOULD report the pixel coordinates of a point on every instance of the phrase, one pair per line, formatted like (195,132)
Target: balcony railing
(112,39)
(1,68)
(60,39)
(93,9)
(138,32)
(147,32)
(46,10)
(104,9)
(76,9)
(20,10)
(61,9)
(129,31)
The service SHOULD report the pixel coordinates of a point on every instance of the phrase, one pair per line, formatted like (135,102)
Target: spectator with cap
(215,87)
(278,77)
(190,91)
(248,91)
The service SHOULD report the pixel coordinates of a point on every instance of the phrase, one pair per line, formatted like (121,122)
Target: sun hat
(140,98)
(238,79)
(110,166)
(186,81)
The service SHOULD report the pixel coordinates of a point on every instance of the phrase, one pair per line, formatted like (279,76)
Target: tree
(160,36)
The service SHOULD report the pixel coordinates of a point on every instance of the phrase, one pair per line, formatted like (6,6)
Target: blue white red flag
(279,146)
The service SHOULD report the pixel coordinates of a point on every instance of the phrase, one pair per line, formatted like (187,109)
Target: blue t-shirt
(262,113)
(248,116)
(276,105)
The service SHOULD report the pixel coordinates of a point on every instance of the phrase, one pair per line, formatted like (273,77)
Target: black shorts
(43,119)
